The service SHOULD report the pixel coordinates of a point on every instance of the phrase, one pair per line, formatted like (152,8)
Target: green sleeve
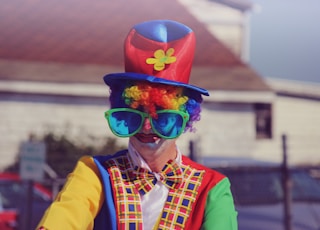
(219,210)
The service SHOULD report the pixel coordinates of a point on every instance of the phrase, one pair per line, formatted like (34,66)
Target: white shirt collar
(137,160)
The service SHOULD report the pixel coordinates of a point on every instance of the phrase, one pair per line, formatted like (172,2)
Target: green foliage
(63,152)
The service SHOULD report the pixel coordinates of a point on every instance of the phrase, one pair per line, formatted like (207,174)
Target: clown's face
(149,144)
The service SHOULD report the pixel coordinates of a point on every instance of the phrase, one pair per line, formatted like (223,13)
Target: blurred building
(295,113)
(53,55)
(227,20)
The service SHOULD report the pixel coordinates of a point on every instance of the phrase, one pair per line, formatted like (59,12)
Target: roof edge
(241,96)
(243,5)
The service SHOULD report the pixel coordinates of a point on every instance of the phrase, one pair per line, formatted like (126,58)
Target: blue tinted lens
(124,123)
(168,124)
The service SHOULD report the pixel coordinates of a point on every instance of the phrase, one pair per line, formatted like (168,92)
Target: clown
(151,185)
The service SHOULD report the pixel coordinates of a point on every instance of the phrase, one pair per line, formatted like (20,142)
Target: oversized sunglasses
(126,122)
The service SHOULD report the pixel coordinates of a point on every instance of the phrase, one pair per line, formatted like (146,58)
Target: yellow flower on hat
(161,58)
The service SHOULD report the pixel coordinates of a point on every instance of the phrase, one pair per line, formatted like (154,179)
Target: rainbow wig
(150,97)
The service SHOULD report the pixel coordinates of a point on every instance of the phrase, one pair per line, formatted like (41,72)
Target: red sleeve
(210,179)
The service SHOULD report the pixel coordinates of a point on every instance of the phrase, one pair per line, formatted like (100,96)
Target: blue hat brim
(109,79)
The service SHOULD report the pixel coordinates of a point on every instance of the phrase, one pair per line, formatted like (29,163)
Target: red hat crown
(159,51)
(156,52)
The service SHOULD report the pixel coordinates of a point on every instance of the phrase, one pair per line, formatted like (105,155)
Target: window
(263,121)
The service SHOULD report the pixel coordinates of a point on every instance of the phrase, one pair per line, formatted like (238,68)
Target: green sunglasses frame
(185,117)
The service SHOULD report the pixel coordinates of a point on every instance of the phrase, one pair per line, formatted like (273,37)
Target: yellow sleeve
(76,206)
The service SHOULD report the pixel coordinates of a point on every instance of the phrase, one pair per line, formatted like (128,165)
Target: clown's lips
(147,138)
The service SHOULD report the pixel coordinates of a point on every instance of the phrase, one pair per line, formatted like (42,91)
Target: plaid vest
(179,209)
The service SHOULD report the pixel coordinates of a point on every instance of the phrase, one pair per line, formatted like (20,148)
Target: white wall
(19,118)
(299,119)
(225,129)
(296,113)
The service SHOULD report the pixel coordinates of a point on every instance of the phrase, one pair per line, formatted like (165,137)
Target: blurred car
(258,191)
(13,198)
(8,219)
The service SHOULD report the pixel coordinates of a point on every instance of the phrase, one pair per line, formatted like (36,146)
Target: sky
(285,39)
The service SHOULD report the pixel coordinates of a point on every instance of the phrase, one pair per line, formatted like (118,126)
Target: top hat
(158,51)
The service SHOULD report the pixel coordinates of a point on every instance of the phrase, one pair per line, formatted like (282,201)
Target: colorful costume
(121,191)
(103,187)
